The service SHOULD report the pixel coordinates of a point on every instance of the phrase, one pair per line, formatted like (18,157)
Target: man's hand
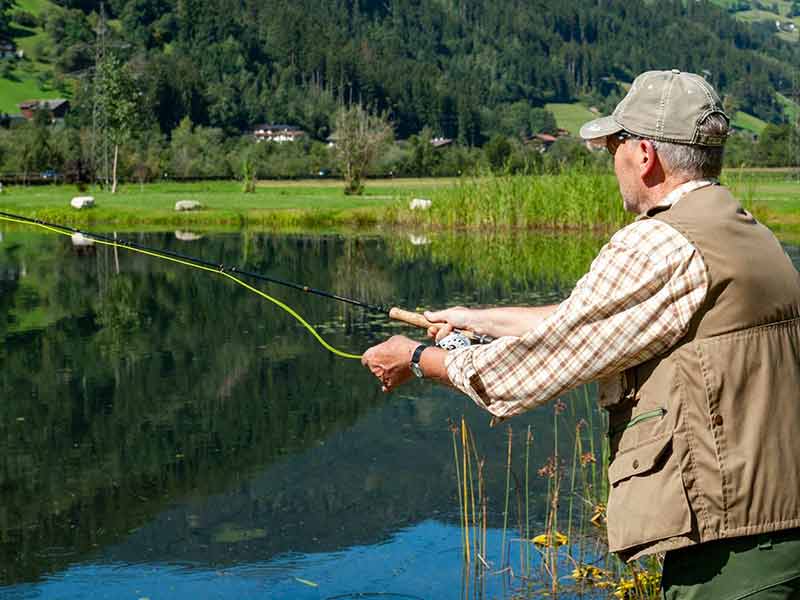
(445,321)
(495,322)
(390,361)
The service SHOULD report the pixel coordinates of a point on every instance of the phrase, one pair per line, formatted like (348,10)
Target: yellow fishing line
(249,287)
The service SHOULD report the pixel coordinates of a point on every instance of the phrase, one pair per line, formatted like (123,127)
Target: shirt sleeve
(635,302)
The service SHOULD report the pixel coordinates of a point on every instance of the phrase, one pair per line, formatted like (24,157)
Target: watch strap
(415,368)
(417,353)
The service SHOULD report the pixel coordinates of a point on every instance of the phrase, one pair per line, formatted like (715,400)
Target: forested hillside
(465,68)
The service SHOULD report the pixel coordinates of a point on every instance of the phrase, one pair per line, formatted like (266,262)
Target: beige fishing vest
(705,442)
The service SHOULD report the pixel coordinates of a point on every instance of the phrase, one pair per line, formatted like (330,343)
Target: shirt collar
(679,192)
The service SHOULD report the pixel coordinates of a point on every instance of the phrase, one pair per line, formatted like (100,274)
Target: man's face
(624,150)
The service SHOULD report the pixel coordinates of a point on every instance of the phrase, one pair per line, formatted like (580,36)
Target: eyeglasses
(613,142)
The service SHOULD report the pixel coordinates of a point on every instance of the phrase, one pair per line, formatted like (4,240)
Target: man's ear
(648,159)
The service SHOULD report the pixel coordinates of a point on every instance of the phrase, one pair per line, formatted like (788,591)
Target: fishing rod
(455,340)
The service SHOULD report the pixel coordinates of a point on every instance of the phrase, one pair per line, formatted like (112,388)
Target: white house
(272,132)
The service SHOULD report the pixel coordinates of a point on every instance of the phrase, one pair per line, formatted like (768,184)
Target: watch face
(416,369)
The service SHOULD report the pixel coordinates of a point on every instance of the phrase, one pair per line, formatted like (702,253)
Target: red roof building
(57,108)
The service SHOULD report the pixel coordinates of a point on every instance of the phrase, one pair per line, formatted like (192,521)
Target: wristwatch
(415,368)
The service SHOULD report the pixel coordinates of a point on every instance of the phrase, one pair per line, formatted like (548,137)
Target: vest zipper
(645,416)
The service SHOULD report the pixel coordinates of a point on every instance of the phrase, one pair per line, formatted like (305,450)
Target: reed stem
(505,506)
(527,536)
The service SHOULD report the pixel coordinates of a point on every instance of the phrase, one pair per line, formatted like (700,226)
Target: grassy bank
(772,195)
(569,201)
(564,201)
(301,203)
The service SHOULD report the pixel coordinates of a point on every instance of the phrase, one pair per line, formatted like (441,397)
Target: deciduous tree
(359,137)
(117,97)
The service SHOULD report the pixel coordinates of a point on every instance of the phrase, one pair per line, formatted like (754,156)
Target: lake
(165,433)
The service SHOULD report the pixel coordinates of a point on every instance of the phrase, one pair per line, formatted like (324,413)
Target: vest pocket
(637,476)
(649,415)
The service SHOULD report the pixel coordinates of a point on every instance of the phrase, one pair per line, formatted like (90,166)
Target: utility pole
(100,146)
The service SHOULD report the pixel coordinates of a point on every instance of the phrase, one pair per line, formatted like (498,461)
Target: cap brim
(600,128)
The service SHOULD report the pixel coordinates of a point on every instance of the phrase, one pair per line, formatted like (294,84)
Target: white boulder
(182,205)
(187,236)
(420,204)
(80,202)
(80,240)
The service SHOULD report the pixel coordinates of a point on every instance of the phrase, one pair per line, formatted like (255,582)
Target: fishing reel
(458,339)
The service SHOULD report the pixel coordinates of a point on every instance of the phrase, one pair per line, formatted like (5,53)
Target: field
(757,13)
(31,76)
(573,200)
(792,109)
(24,86)
(570,116)
(309,203)
(773,196)
(743,120)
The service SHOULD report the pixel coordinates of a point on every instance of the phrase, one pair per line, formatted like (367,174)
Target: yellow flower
(604,584)
(623,587)
(543,539)
(599,515)
(591,575)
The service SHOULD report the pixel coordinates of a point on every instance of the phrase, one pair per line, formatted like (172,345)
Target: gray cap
(666,106)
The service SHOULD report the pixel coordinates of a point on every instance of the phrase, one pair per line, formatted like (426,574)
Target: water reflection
(399,568)
(165,433)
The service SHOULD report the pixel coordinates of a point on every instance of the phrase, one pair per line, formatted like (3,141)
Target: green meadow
(575,200)
(570,116)
(291,203)
(30,77)
(773,195)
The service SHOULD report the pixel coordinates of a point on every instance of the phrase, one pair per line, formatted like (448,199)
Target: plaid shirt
(635,303)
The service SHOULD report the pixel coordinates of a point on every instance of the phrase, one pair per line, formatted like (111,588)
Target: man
(690,320)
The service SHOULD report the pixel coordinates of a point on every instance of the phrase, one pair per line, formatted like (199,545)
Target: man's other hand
(390,361)
(445,321)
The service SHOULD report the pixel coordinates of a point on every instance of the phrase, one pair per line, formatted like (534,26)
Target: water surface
(166,434)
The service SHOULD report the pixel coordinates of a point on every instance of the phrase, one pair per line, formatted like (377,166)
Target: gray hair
(693,160)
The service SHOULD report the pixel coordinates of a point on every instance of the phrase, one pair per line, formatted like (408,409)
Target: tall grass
(574,200)
(550,563)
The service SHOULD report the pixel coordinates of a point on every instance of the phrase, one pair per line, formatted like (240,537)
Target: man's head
(669,128)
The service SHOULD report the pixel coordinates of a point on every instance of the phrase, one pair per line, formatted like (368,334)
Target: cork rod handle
(417,320)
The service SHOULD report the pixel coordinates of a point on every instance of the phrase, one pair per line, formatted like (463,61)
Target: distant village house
(541,141)
(57,108)
(277,133)
(441,142)
(785,26)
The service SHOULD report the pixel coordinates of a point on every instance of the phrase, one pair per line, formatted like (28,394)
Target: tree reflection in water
(154,413)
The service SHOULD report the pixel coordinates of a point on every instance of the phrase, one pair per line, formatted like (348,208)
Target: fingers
(458,316)
(439,332)
(387,361)
(435,316)
(443,332)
